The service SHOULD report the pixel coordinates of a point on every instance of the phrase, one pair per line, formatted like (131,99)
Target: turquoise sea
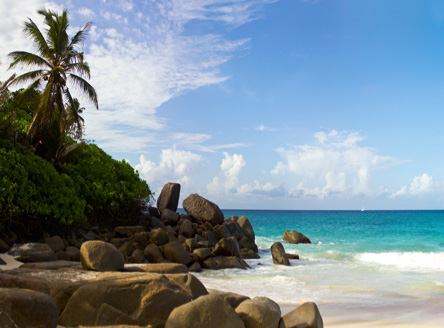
(359,259)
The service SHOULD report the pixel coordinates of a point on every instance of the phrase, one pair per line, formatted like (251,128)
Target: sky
(265,104)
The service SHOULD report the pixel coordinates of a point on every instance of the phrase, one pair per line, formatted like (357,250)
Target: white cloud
(174,166)
(421,184)
(335,165)
(264,128)
(86,12)
(227,181)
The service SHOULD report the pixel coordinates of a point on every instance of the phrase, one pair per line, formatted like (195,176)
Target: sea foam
(405,260)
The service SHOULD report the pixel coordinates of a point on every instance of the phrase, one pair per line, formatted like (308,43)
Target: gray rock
(232,298)
(207,311)
(170,217)
(152,253)
(202,254)
(259,312)
(158,236)
(295,237)
(195,267)
(26,308)
(176,253)
(209,236)
(247,228)
(33,252)
(101,256)
(56,243)
(164,268)
(224,262)
(186,229)
(203,209)
(169,197)
(278,254)
(137,256)
(15,281)
(227,247)
(234,229)
(307,315)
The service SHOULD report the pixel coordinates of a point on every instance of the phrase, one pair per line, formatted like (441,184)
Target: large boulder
(14,281)
(202,209)
(169,197)
(259,312)
(295,237)
(307,315)
(201,254)
(175,252)
(26,308)
(145,299)
(101,256)
(278,254)
(186,229)
(33,252)
(227,247)
(224,262)
(152,253)
(164,268)
(232,298)
(247,228)
(56,243)
(158,236)
(207,311)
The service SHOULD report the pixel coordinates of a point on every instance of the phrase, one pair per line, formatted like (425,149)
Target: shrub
(33,195)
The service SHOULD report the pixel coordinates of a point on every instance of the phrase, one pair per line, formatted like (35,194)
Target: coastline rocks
(56,243)
(232,298)
(152,253)
(224,262)
(247,227)
(101,256)
(169,197)
(202,209)
(164,268)
(295,237)
(170,217)
(207,311)
(13,281)
(278,254)
(145,299)
(227,247)
(259,312)
(307,315)
(175,252)
(26,308)
(33,252)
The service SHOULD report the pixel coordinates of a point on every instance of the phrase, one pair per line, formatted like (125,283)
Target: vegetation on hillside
(49,176)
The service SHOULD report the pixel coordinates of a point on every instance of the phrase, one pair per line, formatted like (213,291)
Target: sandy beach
(425,314)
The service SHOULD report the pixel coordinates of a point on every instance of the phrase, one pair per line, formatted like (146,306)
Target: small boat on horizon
(362,209)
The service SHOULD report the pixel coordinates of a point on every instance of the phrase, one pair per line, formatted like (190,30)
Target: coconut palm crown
(56,63)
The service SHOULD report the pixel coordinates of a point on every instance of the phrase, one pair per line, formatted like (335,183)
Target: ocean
(388,261)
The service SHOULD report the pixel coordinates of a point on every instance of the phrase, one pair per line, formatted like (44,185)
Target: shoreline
(413,314)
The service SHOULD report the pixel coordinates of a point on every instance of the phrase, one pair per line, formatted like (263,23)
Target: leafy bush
(113,192)
(33,195)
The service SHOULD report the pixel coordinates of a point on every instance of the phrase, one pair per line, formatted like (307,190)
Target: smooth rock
(259,312)
(14,281)
(247,228)
(203,209)
(232,298)
(195,267)
(152,253)
(33,252)
(186,229)
(205,312)
(202,254)
(278,254)
(295,237)
(26,308)
(306,315)
(164,268)
(169,197)
(227,247)
(56,243)
(101,256)
(175,252)
(224,262)
(158,236)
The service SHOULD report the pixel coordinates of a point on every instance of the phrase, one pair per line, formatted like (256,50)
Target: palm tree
(56,63)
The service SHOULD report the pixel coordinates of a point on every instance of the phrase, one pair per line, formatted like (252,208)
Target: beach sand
(416,314)
(10,262)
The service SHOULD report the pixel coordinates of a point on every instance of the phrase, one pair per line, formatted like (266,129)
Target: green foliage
(114,193)
(33,194)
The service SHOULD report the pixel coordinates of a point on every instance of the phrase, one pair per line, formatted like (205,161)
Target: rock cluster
(201,238)
(63,294)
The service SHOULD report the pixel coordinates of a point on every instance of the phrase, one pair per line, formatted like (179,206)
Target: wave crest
(406,260)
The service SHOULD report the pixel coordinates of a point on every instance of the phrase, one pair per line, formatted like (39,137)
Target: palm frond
(26,59)
(86,88)
(32,30)
(33,75)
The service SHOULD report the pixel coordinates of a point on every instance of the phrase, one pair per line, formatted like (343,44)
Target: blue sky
(287,104)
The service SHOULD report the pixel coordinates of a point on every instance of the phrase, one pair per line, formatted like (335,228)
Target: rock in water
(203,209)
(26,308)
(295,237)
(101,256)
(307,315)
(278,254)
(207,311)
(169,197)
(259,312)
